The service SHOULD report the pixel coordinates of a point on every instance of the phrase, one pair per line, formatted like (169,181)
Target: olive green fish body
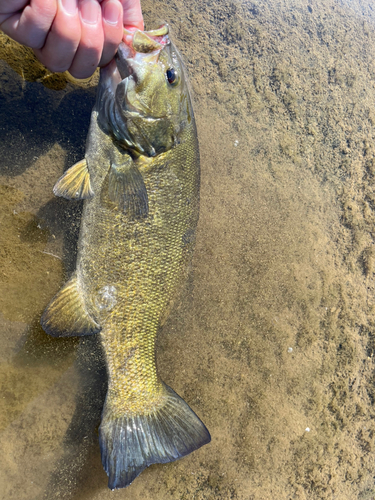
(140,183)
(130,270)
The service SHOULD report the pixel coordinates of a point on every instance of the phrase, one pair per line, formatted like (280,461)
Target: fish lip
(159,36)
(159,32)
(127,54)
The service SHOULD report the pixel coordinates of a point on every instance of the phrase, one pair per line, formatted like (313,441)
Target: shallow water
(272,343)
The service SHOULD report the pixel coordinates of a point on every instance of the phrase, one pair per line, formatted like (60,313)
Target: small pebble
(307,429)
(290,349)
(236,142)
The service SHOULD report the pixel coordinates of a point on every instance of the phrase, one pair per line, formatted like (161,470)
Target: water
(272,344)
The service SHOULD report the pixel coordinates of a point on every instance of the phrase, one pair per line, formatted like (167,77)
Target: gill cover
(143,99)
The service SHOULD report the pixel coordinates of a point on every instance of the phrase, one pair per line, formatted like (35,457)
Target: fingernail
(112,12)
(70,6)
(90,11)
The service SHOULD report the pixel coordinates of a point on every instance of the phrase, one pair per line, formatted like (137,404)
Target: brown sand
(273,341)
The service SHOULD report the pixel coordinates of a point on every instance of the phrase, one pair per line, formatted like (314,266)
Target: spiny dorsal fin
(66,316)
(75,183)
(127,189)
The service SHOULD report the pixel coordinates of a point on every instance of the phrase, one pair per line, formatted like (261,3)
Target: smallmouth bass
(140,182)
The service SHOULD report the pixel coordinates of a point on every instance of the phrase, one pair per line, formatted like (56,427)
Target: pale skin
(70,35)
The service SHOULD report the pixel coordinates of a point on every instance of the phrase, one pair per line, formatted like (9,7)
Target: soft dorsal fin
(74,184)
(66,316)
(126,188)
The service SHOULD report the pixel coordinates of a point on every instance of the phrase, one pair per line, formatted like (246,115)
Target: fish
(140,181)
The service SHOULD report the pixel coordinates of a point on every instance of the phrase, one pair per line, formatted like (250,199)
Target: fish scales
(143,261)
(140,183)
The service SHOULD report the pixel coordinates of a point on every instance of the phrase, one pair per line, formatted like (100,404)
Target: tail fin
(129,444)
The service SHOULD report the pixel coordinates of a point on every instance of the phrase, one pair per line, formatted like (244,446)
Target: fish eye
(172,76)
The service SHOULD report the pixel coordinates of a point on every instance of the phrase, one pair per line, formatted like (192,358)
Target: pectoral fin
(66,316)
(75,183)
(127,189)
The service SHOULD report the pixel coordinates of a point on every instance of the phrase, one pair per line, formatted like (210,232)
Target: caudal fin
(129,444)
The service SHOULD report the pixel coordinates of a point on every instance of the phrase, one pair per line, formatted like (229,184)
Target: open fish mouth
(147,41)
(140,47)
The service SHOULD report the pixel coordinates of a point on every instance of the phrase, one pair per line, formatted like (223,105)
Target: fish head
(153,94)
(151,105)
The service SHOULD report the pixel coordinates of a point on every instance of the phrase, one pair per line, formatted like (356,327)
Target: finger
(31,26)
(90,47)
(9,7)
(112,28)
(132,14)
(63,39)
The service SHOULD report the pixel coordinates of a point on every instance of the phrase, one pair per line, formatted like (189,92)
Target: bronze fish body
(140,182)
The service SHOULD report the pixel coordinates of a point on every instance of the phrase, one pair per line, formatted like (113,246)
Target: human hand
(70,35)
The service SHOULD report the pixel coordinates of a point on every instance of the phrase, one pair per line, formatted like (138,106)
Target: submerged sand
(273,341)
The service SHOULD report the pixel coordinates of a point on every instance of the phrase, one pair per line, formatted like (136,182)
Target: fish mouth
(139,47)
(147,41)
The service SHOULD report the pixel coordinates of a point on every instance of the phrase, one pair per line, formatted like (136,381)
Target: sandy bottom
(273,341)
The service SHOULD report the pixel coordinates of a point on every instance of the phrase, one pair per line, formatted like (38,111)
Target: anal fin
(66,316)
(75,184)
(127,189)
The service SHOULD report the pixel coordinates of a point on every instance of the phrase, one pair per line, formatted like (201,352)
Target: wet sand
(272,343)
